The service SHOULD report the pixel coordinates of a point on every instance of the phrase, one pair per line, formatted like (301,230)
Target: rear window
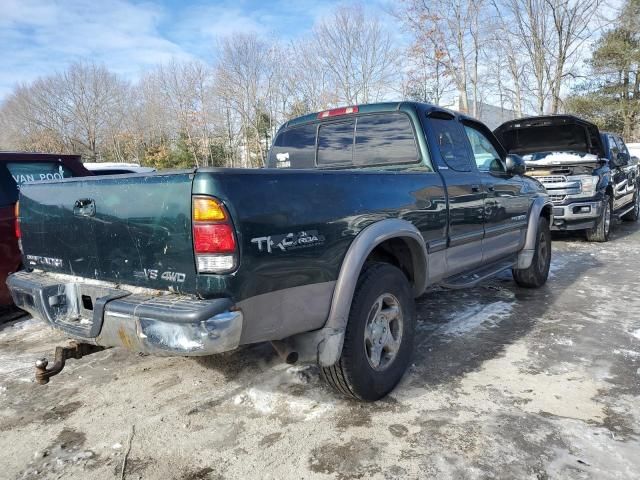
(14,174)
(335,143)
(8,188)
(294,148)
(384,139)
(23,172)
(363,141)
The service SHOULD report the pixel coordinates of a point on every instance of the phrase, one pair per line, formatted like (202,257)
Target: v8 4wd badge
(289,241)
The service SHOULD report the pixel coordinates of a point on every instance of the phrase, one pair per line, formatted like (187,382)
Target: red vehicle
(17,168)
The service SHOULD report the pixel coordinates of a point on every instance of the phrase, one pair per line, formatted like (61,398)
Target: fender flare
(329,347)
(525,257)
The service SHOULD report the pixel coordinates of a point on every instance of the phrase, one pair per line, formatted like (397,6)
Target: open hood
(555,133)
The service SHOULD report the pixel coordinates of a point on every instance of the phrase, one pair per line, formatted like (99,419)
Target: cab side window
(451,143)
(485,154)
(613,146)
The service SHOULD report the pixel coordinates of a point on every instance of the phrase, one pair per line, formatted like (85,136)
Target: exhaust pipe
(74,350)
(287,354)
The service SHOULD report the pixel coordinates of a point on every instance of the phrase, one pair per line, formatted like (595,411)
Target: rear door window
(452,144)
(27,172)
(384,139)
(294,148)
(335,143)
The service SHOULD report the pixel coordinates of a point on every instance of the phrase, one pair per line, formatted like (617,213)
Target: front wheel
(600,233)
(536,275)
(378,341)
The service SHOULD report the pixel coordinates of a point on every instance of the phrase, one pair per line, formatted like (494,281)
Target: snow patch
(475,316)
(274,395)
(627,353)
(636,333)
(564,341)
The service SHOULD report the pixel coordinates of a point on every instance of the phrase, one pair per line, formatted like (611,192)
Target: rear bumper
(576,216)
(141,321)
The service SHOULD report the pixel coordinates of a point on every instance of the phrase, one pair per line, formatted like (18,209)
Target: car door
(506,205)
(464,192)
(628,173)
(618,163)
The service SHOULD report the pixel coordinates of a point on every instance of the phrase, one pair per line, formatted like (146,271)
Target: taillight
(214,241)
(336,112)
(17,221)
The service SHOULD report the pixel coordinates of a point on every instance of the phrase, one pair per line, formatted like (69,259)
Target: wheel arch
(374,243)
(541,207)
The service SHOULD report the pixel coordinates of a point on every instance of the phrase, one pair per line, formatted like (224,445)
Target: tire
(536,275)
(634,214)
(355,374)
(600,233)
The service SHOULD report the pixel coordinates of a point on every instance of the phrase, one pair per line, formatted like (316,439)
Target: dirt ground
(506,383)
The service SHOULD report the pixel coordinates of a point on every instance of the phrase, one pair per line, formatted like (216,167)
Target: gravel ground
(506,383)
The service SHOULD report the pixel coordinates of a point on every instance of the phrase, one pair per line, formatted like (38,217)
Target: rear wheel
(536,275)
(378,341)
(634,214)
(600,233)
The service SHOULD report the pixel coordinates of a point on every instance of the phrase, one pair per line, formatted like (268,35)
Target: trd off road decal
(289,241)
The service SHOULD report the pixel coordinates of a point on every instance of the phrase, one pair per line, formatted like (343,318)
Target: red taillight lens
(336,112)
(213,238)
(17,221)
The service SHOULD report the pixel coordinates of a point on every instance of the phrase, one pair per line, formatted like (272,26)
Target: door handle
(475,188)
(85,207)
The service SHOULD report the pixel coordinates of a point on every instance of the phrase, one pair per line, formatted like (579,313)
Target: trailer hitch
(73,350)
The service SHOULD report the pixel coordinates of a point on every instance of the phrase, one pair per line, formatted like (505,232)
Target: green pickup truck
(359,211)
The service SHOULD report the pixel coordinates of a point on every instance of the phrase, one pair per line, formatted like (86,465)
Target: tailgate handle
(85,207)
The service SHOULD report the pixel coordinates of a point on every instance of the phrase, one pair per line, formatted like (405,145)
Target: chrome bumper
(575,216)
(104,315)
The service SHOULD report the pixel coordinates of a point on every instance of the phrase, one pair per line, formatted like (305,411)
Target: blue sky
(40,37)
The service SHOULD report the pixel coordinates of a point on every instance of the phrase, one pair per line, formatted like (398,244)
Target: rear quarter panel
(331,206)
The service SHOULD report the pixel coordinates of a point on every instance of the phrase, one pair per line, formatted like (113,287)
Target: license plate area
(78,308)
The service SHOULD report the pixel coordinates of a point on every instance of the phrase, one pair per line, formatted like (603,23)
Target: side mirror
(515,165)
(622,160)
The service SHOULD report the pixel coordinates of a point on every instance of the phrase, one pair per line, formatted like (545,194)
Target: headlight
(589,184)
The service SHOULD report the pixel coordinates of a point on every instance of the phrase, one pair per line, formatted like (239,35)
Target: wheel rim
(607,218)
(543,252)
(383,332)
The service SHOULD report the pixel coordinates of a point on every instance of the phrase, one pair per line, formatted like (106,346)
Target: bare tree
(427,79)
(573,25)
(454,28)
(357,53)
(75,109)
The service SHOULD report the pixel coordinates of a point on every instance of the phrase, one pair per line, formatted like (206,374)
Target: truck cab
(589,175)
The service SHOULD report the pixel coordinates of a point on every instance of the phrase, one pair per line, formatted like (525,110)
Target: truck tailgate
(133,229)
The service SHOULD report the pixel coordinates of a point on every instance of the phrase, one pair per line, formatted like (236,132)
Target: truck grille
(552,179)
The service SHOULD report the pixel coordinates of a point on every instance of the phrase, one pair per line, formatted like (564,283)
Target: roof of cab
(375,108)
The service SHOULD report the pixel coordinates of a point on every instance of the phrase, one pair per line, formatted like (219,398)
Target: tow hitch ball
(74,350)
